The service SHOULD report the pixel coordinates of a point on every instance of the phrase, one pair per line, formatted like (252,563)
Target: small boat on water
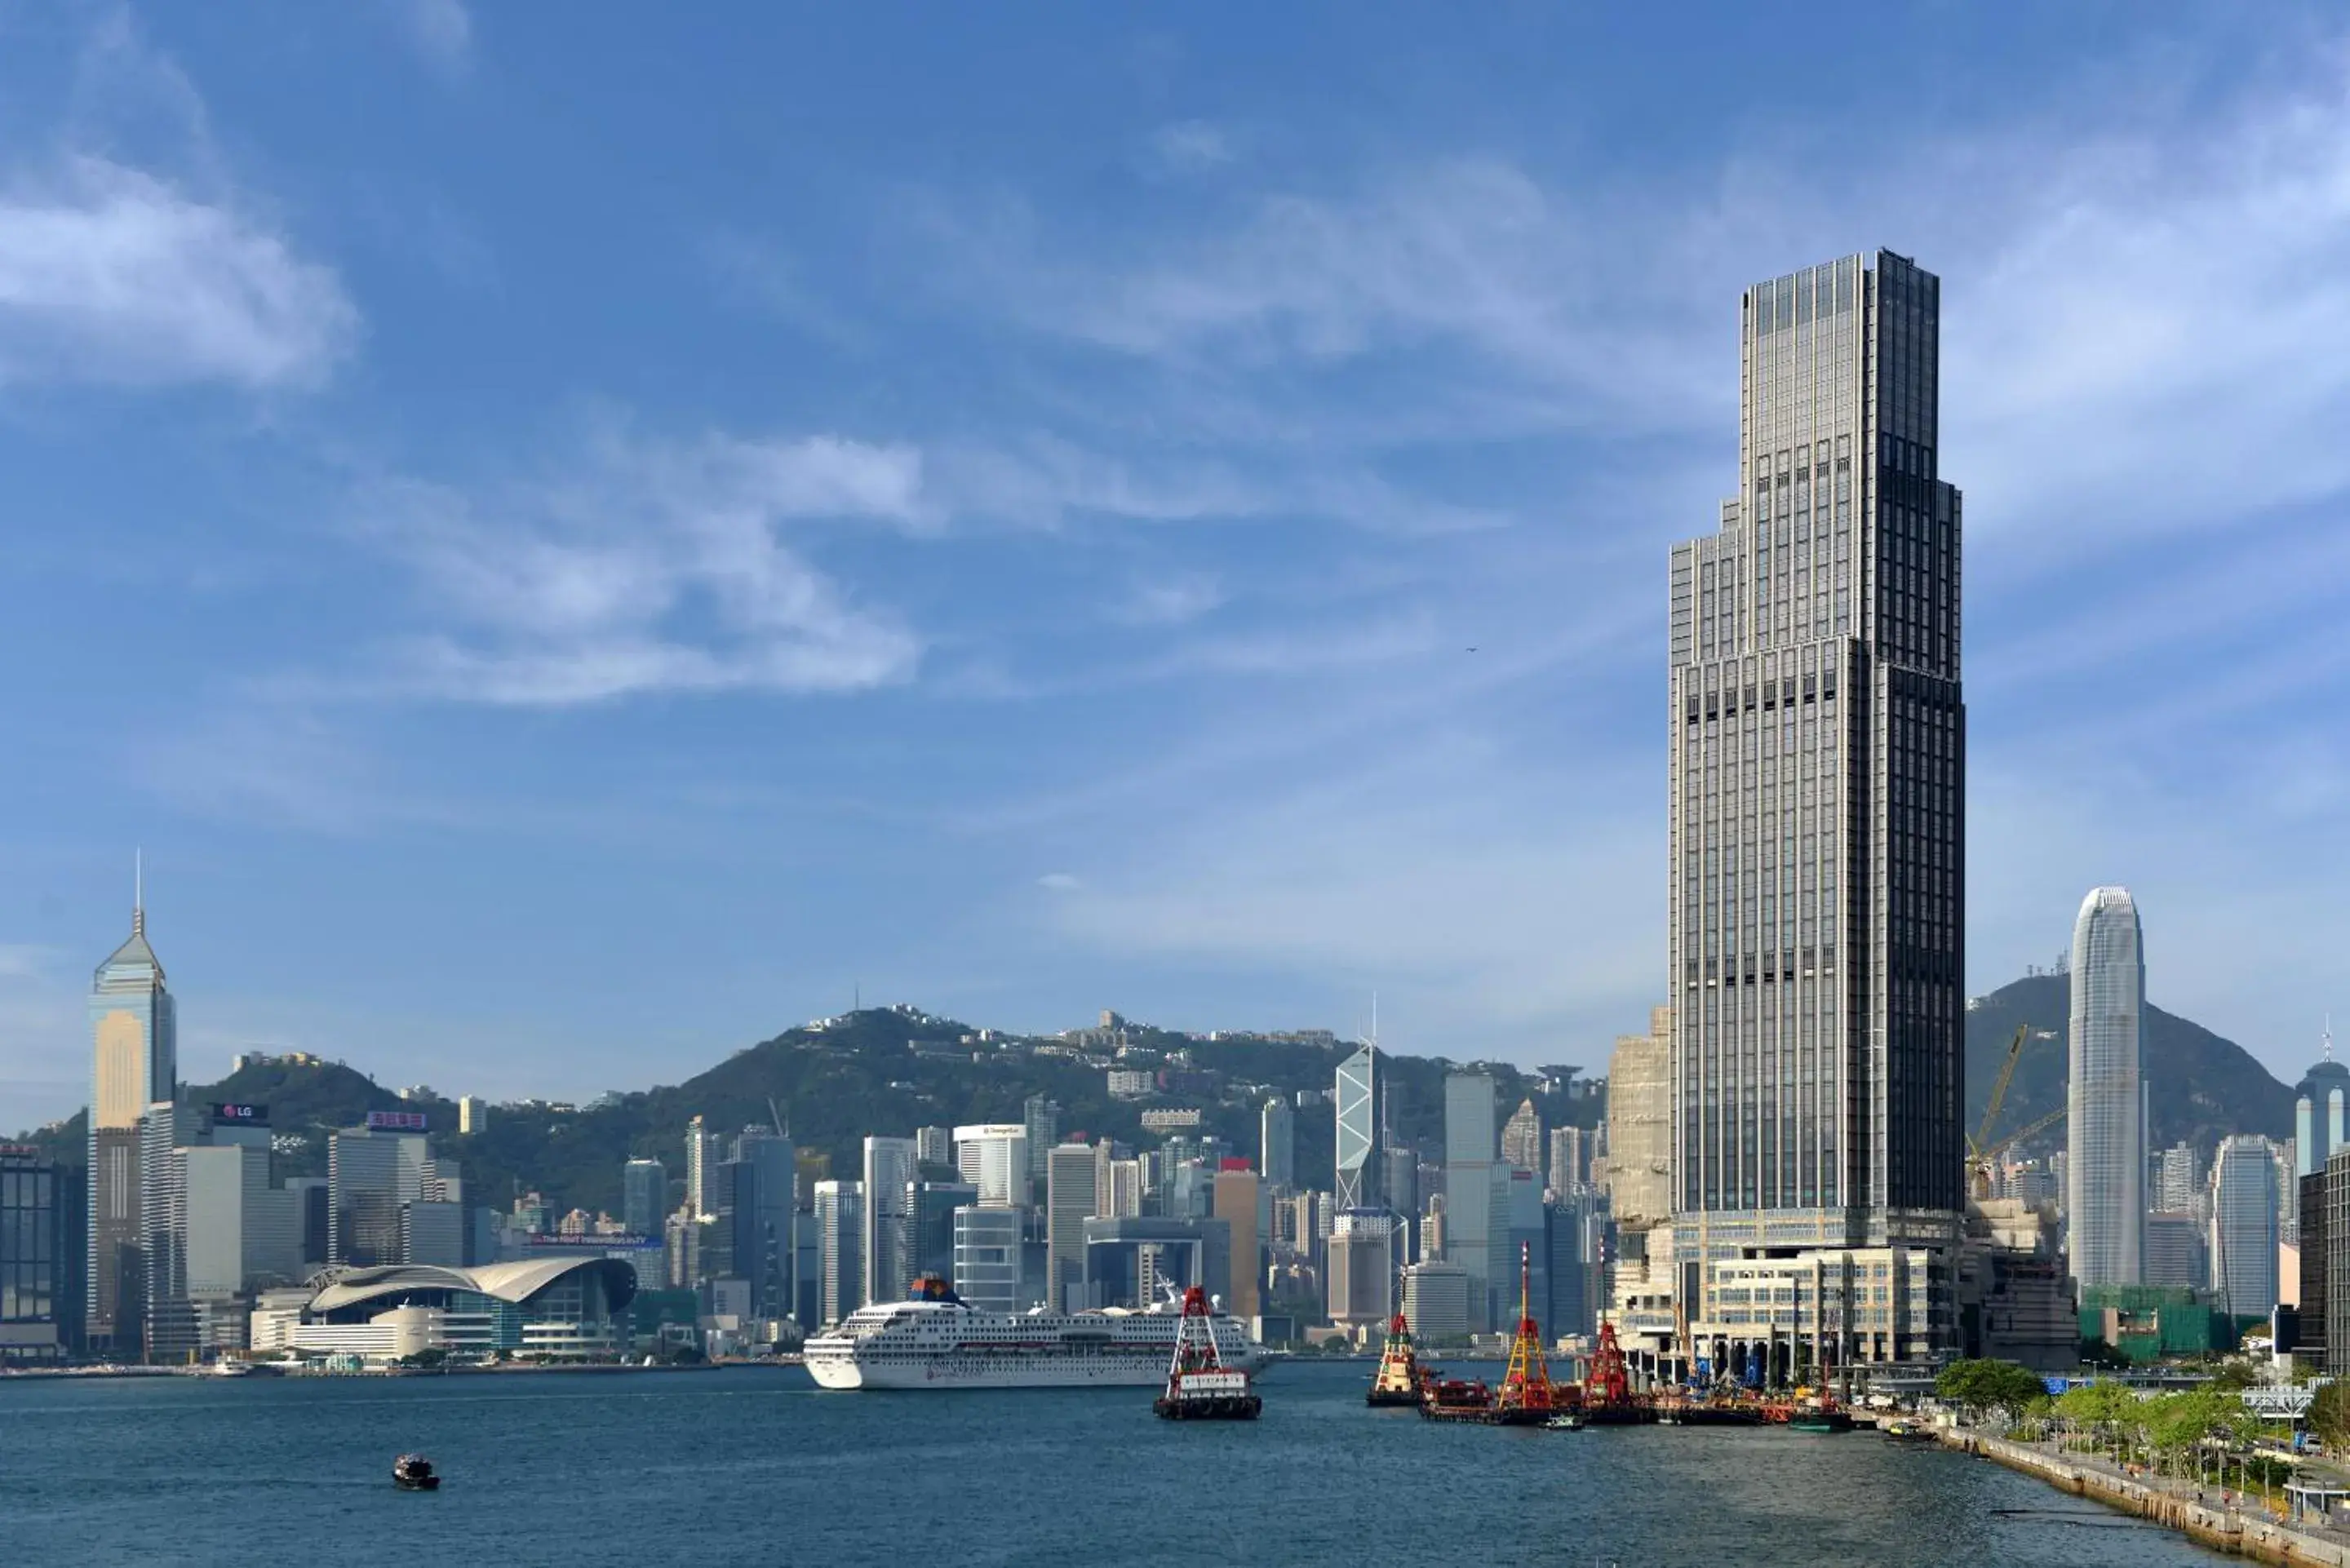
(1199,1387)
(1567,1421)
(1825,1420)
(1905,1431)
(1400,1376)
(413,1472)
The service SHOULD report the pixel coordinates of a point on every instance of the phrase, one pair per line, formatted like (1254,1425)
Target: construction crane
(1975,1144)
(1986,1160)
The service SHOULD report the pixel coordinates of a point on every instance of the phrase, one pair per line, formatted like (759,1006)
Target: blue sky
(579,537)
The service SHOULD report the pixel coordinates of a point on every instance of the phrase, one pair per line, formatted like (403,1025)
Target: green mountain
(891,1070)
(883,1071)
(2200,1087)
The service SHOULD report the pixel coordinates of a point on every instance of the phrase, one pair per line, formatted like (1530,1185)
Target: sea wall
(2241,1533)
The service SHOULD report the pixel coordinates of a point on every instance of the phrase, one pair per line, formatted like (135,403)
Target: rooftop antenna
(137,892)
(2329,1037)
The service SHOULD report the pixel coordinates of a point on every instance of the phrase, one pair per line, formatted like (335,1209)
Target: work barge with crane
(1528,1395)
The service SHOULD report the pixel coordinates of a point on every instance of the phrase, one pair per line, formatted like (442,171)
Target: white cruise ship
(934,1340)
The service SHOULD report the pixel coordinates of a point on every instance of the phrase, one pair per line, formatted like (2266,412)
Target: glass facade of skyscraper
(2105,1165)
(1817,736)
(134,1063)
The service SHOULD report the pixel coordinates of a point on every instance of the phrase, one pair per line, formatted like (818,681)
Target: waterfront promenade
(2237,1523)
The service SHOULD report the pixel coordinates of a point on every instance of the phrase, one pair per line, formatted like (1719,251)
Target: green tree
(1984,1384)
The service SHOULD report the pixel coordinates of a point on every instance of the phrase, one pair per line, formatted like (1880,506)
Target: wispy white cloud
(657,567)
(111,275)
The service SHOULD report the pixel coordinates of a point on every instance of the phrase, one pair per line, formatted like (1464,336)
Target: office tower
(1640,1125)
(930,1208)
(890,1165)
(765,1196)
(2174,1252)
(432,1230)
(1436,1302)
(1522,1137)
(2104,1195)
(473,1115)
(1565,1167)
(994,1158)
(1236,1206)
(2317,1111)
(1400,1191)
(2244,1226)
(644,1194)
(1575,1226)
(1361,1275)
(1043,1118)
(1469,1232)
(1433,1242)
(2182,1180)
(134,1063)
(934,1146)
(987,1255)
(1277,1144)
(1068,1204)
(241,1233)
(1525,1222)
(703,1150)
(370,1172)
(166,1130)
(840,1240)
(43,1253)
(1356,1100)
(1816,824)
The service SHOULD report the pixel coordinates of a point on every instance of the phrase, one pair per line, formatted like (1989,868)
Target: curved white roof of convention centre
(515,1281)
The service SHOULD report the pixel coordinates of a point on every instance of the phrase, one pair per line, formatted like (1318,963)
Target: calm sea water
(740,1466)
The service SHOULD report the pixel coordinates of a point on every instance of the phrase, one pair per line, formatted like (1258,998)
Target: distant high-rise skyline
(2104,1168)
(134,1063)
(1818,800)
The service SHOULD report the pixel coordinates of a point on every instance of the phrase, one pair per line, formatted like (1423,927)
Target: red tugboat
(1400,1374)
(1527,1397)
(1456,1399)
(1199,1387)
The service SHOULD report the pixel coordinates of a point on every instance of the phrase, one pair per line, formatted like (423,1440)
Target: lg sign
(241,1114)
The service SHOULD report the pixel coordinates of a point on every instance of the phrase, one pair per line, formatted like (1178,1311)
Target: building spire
(139,892)
(2329,1037)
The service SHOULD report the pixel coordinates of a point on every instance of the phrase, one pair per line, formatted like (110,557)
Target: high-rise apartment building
(889,1164)
(1470,1233)
(1277,1144)
(644,1196)
(1817,807)
(704,1149)
(1069,1202)
(934,1146)
(2104,1170)
(2181,1182)
(1356,1103)
(134,1063)
(2244,1226)
(1566,1165)
(1522,1139)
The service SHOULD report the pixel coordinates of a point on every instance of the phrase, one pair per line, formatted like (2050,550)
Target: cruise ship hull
(914,1346)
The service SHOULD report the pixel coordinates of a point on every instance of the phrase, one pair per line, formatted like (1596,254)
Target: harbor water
(740,1465)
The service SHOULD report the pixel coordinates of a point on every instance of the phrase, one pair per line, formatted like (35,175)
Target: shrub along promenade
(2187,1460)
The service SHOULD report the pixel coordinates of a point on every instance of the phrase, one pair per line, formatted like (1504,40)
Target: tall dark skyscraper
(134,1063)
(1818,745)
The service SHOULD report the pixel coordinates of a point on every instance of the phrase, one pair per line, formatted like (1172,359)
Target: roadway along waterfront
(756,1465)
